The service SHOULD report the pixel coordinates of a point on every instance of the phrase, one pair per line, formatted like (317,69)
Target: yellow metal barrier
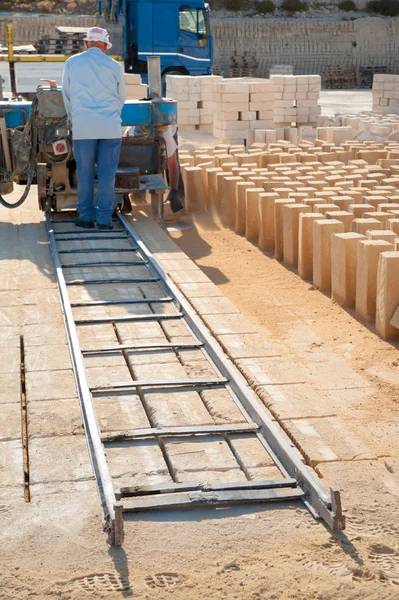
(11,57)
(10,45)
(31,58)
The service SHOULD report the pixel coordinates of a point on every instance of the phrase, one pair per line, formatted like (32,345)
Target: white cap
(97,34)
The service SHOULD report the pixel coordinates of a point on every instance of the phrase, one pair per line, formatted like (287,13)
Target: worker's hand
(173,198)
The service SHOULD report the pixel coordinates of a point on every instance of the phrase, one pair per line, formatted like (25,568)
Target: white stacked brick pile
(194,96)
(296,99)
(386,94)
(135,90)
(240,105)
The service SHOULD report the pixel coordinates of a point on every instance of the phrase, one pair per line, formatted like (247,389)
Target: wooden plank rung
(160,384)
(127,318)
(190,486)
(135,434)
(202,499)
(127,301)
(113,280)
(141,347)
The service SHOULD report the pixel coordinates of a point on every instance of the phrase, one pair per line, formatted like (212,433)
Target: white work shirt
(94,93)
(167,135)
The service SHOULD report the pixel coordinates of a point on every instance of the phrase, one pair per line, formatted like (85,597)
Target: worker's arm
(66,94)
(173,168)
(121,87)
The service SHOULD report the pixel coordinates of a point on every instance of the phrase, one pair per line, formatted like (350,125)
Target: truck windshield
(193,21)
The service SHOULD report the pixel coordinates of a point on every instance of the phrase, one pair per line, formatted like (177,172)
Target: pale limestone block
(253,215)
(194,193)
(322,232)
(387,294)
(279,227)
(313,201)
(324,207)
(241,206)
(341,215)
(220,177)
(305,244)
(382,234)
(368,253)
(212,186)
(266,208)
(291,214)
(230,200)
(380,216)
(342,202)
(363,225)
(393,225)
(343,267)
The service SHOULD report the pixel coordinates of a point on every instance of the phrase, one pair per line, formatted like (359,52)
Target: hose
(31,174)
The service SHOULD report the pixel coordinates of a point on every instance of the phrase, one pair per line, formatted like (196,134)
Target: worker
(93,89)
(173,168)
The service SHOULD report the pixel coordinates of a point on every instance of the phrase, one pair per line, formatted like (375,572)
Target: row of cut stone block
(284,225)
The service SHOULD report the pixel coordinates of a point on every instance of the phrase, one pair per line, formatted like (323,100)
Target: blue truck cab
(176,30)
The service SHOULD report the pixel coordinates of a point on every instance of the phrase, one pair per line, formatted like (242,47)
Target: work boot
(105,226)
(175,204)
(85,224)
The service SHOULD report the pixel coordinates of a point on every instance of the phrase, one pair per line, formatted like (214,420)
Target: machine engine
(36,144)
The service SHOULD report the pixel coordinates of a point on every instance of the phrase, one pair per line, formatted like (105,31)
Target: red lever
(52,82)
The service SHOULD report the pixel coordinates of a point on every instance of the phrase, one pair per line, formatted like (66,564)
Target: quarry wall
(254,45)
(309,45)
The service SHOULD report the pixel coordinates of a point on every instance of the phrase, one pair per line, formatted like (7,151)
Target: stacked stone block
(135,89)
(386,93)
(296,99)
(241,105)
(195,100)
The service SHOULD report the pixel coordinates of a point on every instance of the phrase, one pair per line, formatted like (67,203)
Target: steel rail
(112,510)
(322,504)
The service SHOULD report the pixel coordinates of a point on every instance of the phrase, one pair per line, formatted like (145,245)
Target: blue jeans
(105,154)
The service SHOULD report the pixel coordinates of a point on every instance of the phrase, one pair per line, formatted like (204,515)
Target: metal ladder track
(296,482)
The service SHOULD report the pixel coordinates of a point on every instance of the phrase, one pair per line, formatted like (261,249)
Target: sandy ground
(53,547)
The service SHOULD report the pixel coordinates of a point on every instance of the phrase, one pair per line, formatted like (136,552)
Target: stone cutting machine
(36,145)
